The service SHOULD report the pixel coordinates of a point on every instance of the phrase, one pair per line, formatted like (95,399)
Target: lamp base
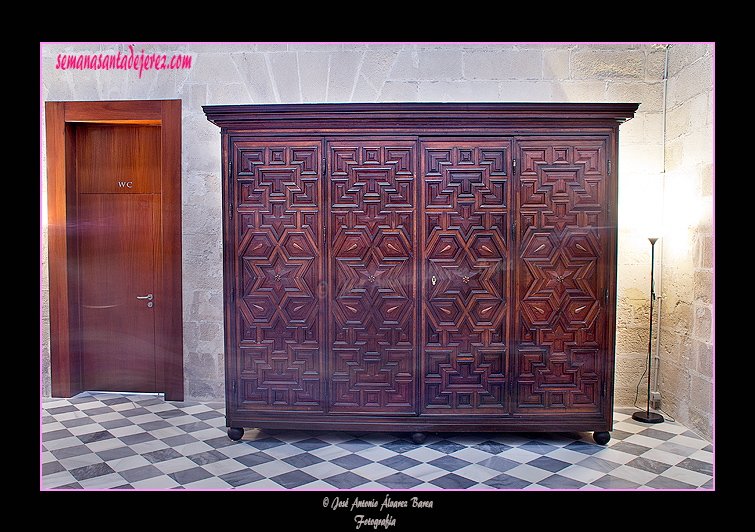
(648,417)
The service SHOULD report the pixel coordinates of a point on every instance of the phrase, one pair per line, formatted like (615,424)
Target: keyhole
(433,280)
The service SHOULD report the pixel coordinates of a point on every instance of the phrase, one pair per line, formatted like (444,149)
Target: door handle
(148,296)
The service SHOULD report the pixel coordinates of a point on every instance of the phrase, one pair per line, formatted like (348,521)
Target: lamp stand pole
(648,416)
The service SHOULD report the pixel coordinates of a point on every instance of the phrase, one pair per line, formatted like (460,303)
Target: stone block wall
(230,73)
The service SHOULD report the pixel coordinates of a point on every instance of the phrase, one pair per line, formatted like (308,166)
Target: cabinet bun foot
(235,433)
(418,437)
(601,438)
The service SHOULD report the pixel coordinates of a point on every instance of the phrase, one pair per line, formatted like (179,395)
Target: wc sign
(125,184)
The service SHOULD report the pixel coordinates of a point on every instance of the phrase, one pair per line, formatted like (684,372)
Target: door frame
(61,119)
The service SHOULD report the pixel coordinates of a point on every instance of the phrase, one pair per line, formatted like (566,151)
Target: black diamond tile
(399,481)
(264,443)
(538,447)
(453,481)
(138,437)
(77,422)
(220,442)
(253,459)
(188,476)
(69,452)
(351,461)
(399,462)
(115,423)
(696,465)
(141,473)
(445,446)
(179,439)
(629,448)
(209,414)
(110,401)
(61,410)
(83,399)
(52,467)
(619,435)
(91,471)
(116,453)
(133,412)
(664,483)
(609,482)
(310,444)
(549,464)
(354,445)
(492,447)
(72,486)
(293,479)
(598,464)
(207,457)
(241,477)
(56,434)
(346,480)
(657,434)
(149,401)
(96,411)
(449,463)
(161,455)
(168,414)
(646,464)
(557,482)
(194,427)
(498,463)
(400,446)
(506,482)
(583,447)
(154,425)
(303,460)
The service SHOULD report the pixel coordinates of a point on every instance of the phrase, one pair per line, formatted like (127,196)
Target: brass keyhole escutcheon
(433,280)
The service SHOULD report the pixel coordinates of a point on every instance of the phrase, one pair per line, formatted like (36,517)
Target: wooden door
(119,244)
(372,276)
(277,288)
(117,265)
(563,251)
(466,278)
(113,147)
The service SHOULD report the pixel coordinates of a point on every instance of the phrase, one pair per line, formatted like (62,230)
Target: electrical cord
(637,393)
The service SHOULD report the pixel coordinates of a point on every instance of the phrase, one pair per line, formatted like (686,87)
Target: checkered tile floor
(123,441)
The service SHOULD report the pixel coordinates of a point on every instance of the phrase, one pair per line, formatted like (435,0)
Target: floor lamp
(648,416)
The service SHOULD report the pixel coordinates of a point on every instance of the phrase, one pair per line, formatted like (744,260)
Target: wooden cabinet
(420,267)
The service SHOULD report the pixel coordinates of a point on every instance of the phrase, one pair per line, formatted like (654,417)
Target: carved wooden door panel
(466,279)
(279,306)
(562,244)
(372,271)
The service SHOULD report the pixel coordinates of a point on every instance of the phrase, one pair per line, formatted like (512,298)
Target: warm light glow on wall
(647,208)
(683,210)
(641,208)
